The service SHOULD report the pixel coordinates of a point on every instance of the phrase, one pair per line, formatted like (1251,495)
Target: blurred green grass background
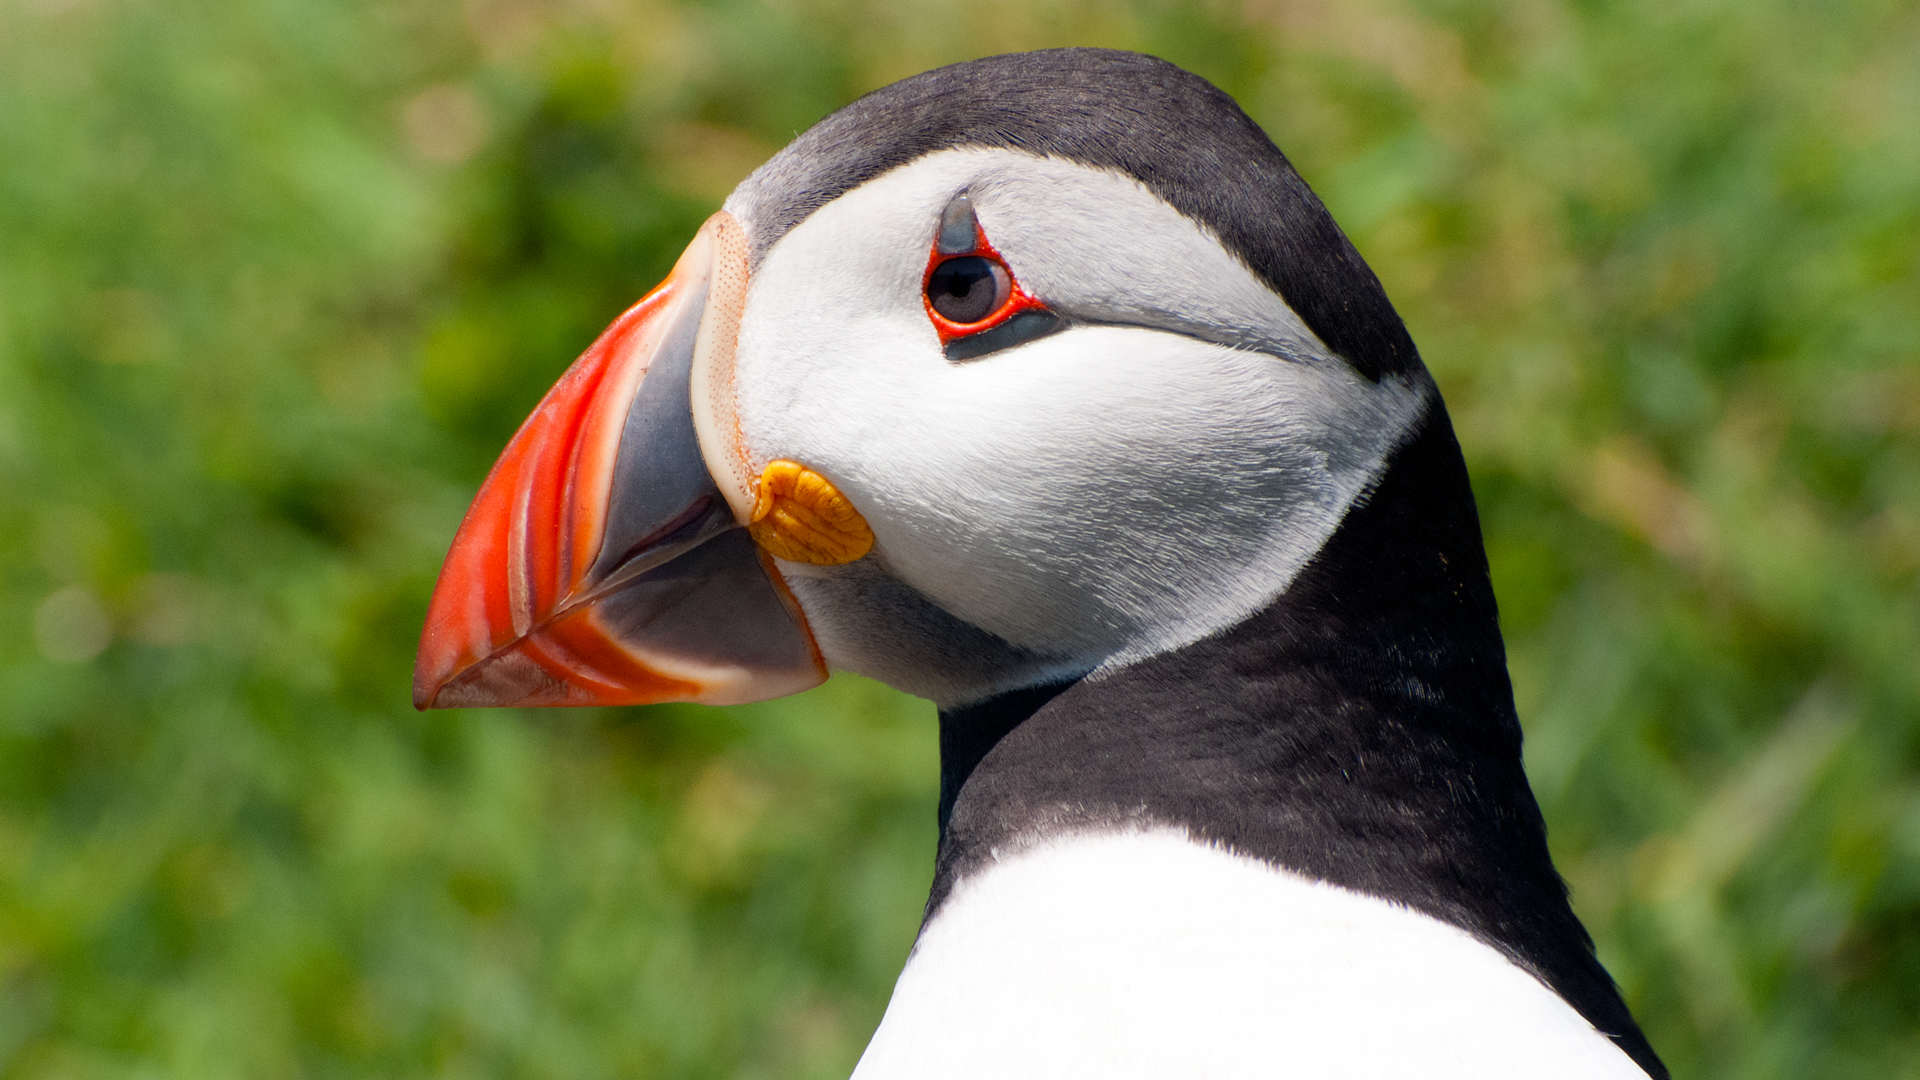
(278,279)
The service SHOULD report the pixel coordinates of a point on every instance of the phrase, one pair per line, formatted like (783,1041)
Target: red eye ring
(952,279)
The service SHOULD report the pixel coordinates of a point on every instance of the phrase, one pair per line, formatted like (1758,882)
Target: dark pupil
(967,289)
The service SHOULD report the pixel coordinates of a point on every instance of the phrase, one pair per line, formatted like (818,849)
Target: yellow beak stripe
(799,516)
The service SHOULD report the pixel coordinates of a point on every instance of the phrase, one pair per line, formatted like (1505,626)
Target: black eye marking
(968,289)
(958,227)
(1023,327)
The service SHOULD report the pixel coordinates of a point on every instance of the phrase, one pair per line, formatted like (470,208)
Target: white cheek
(1105,493)
(1110,491)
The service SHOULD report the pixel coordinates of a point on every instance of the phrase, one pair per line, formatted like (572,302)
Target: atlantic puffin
(1043,387)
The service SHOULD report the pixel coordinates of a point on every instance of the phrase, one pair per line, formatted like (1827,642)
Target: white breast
(1147,954)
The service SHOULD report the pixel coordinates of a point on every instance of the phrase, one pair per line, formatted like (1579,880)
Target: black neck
(1359,730)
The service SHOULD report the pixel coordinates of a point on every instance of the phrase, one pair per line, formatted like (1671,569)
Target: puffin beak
(601,562)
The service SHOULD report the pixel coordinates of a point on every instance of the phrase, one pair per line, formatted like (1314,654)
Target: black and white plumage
(1231,775)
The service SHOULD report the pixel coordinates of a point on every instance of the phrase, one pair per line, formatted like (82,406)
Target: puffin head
(1015,372)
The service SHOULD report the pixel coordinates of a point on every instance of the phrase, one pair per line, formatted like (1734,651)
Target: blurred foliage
(277,280)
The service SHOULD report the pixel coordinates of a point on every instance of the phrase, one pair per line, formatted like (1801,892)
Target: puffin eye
(968,289)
